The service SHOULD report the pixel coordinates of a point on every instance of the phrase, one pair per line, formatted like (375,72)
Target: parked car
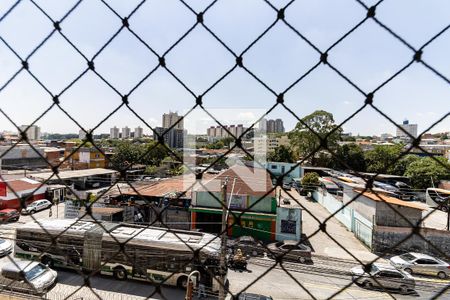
(5,247)
(36,206)
(25,276)
(418,263)
(286,186)
(9,215)
(383,276)
(291,250)
(286,201)
(248,245)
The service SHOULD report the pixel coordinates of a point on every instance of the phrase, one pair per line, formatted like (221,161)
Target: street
(325,278)
(301,283)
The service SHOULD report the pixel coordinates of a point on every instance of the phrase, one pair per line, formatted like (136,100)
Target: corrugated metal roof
(103,210)
(72,173)
(391,200)
(162,188)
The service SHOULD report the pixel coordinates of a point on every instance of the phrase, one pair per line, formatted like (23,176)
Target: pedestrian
(201,292)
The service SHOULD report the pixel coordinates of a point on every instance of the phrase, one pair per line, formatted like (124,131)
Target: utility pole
(223,240)
(448,212)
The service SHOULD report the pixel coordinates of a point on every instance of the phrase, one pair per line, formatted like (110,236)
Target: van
(26,276)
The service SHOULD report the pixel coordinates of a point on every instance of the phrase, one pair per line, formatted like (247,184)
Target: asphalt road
(323,280)
(298,282)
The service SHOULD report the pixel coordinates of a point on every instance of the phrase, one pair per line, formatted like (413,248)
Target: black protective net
(122,248)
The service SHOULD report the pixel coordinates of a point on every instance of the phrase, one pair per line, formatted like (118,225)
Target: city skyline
(367,62)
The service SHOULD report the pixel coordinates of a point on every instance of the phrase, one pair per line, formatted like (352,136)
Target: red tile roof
(161,188)
(249,181)
(22,185)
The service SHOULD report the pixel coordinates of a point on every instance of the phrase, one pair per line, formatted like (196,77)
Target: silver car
(418,263)
(5,247)
(383,276)
(27,276)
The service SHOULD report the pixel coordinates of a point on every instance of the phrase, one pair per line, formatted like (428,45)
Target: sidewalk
(321,243)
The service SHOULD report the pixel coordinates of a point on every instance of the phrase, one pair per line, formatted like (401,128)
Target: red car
(9,215)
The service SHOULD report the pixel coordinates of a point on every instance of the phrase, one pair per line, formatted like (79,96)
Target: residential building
(53,155)
(219,132)
(386,137)
(263,125)
(251,195)
(84,158)
(409,128)
(280,168)
(168,120)
(266,144)
(81,134)
(114,133)
(33,132)
(23,189)
(271,126)
(174,138)
(278,126)
(138,132)
(126,132)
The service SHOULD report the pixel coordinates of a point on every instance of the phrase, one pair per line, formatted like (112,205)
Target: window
(389,274)
(424,261)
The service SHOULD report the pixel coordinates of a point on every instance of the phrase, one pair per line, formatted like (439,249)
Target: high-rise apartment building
(174,138)
(126,132)
(263,125)
(81,134)
(279,127)
(271,126)
(33,132)
(114,133)
(138,132)
(221,132)
(410,128)
(171,118)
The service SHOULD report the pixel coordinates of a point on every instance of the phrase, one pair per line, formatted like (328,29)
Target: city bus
(438,198)
(150,253)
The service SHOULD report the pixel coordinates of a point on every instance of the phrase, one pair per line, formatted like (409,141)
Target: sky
(368,57)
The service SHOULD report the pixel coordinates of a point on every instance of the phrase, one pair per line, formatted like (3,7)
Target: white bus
(438,198)
(152,254)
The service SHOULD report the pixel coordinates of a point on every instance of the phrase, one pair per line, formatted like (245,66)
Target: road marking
(445,281)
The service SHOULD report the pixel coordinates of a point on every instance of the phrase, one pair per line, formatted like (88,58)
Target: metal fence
(368,100)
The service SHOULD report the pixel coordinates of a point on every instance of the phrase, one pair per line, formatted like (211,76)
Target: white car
(27,276)
(5,247)
(419,263)
(37,206)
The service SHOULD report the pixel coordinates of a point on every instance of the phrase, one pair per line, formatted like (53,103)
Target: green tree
(424,171)
(125,153)
(305,142)
(151,170)
(281,154)
(152,154)
(310,181)
(382,158)
(349,156)
(403,163)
